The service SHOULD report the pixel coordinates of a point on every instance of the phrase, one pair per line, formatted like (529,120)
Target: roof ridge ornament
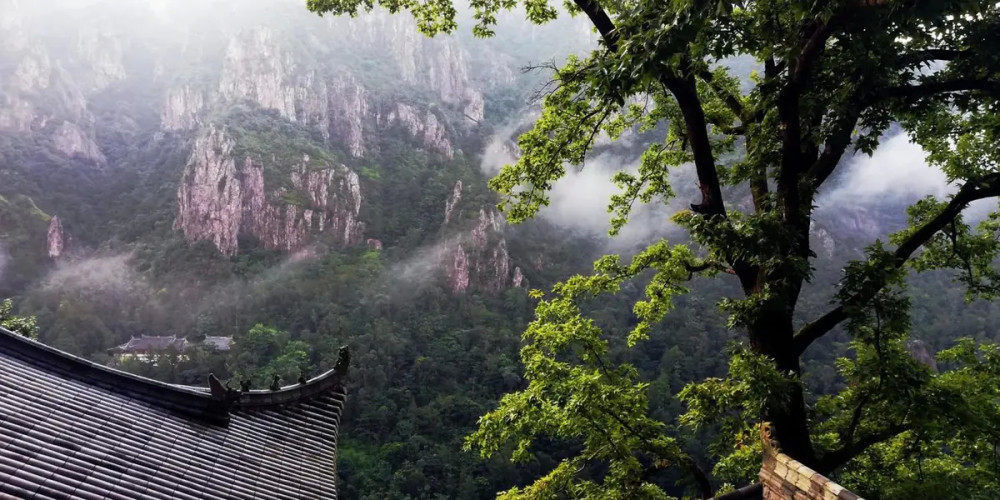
(223,396)
(343,362)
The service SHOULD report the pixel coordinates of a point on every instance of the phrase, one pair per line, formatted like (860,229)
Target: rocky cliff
(475,255)
(223,195)
(55,240)
(119,95)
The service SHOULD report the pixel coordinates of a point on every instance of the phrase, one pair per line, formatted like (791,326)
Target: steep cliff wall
(476,255)
(55,239)
(222,196)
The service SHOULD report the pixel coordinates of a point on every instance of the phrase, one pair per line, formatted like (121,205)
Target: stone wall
(784,478)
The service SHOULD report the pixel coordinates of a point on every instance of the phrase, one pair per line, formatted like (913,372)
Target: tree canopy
(833,77)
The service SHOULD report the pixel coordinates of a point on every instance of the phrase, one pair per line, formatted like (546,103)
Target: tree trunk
(771,335)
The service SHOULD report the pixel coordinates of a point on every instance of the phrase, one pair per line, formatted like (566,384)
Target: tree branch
(928,89)
(926,55)
(834,148)
(745,493)
(812,50)
(789,114)
(833,460)
(732,102)
(605,26)
(685,92)
(986,187)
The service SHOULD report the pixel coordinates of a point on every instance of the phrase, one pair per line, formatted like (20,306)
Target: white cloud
(897,171)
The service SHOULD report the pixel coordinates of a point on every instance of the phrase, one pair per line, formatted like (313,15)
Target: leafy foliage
(835,76)
(21,325)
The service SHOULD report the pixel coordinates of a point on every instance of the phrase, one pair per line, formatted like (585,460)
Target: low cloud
(4,258)
(420,267)
(896,172)
(107,275)
(579,200)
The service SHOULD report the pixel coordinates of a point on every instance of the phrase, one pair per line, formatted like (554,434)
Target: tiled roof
(70,428)
(218,343)
(150,343)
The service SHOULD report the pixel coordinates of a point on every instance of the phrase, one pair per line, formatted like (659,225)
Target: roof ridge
(195,401)
(317,386)
(152,391)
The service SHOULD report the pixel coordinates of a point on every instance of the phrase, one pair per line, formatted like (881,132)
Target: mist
(4,258)
(896,172)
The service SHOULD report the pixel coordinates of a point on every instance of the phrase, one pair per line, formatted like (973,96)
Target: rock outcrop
(348,111)
(55,238)
(104,54)
(424,127)
(182,108)
(518,278)
(476,256)
(449,206)
(438,64)
(33,72)
(257,69)
(71,141)
(222,196)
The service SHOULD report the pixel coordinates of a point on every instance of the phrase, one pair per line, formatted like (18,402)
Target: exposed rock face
(16,114)
(449,206)
(104,53)
(70,140)
(438,63)
(477,257)
(518,278)
(222,197)
(426,129)
(256,69)
(348,106)
(210,197)
(55,238)
(480,256)
(34,72)
(922,353)
(182,108)
(457,269)
(822,241)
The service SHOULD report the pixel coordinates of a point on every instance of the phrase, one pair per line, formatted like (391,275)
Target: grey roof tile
(73,429)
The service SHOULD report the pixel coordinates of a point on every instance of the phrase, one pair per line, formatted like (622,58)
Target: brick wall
(786,479)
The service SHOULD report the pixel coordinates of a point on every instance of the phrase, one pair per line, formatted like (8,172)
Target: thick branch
(927,55)
(838,142)
(601,21)
(833,460)
(987,187)
(789,112)
(685,92)
(812,50)
(834,149)
(944,87)
(749,492)
(732,102)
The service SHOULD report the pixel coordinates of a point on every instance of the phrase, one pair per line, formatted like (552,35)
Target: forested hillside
(250,169)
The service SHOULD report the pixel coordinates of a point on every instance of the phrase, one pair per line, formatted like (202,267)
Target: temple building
(70,428)
(149,347)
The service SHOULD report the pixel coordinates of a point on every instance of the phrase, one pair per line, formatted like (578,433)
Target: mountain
(248,169)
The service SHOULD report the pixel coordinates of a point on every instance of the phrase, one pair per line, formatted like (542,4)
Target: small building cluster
(148,348)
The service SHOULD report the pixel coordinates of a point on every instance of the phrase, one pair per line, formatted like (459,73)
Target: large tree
(834,76)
